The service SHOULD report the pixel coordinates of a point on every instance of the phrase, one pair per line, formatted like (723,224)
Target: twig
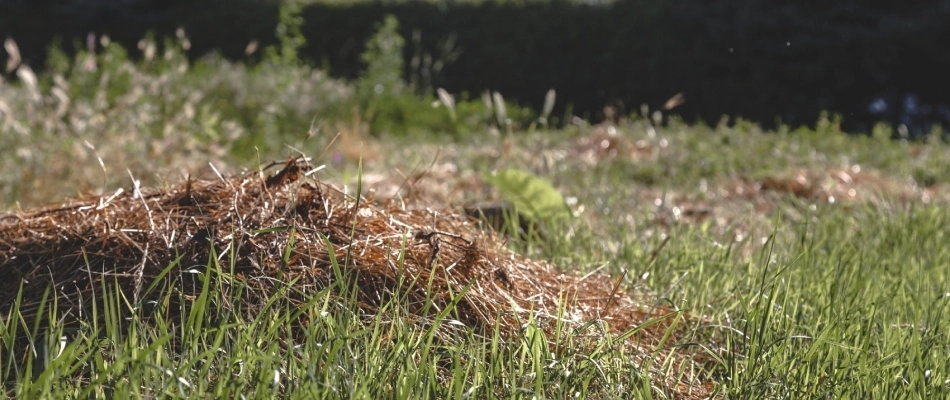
(613,294)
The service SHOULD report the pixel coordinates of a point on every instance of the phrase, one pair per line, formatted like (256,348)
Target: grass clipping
(289,228)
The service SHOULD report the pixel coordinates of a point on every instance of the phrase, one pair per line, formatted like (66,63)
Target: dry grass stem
(132,236)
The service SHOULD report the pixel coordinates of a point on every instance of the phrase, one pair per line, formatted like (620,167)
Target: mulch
(268,229)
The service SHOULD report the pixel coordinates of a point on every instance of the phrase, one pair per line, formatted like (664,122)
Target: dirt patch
(287,226)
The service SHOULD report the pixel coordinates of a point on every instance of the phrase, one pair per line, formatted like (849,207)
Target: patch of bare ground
(132,237)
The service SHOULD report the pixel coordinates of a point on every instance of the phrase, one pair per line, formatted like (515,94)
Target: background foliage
(758,60)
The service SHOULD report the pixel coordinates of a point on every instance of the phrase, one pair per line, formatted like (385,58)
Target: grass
(806,296)
(339,354)
(814,261)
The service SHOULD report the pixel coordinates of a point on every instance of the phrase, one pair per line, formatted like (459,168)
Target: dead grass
(131,237)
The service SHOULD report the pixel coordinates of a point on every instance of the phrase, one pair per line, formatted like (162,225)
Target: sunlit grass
(810,294)
(324,348)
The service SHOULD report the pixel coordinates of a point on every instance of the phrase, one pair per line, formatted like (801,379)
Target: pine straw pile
(132,237)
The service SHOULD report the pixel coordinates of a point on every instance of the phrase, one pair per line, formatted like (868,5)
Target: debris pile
(265,231)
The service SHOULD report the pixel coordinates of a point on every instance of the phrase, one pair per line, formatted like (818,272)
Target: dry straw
(131,237)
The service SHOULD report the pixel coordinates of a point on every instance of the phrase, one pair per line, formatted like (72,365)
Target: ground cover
(790,263)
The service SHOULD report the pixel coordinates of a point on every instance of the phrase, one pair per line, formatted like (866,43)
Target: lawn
(795,263)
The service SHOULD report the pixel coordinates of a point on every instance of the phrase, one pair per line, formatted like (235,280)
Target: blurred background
(767,62)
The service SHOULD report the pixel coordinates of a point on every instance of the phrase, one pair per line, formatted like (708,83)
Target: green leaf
(531,196)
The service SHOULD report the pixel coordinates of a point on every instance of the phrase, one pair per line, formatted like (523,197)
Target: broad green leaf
(531,196)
